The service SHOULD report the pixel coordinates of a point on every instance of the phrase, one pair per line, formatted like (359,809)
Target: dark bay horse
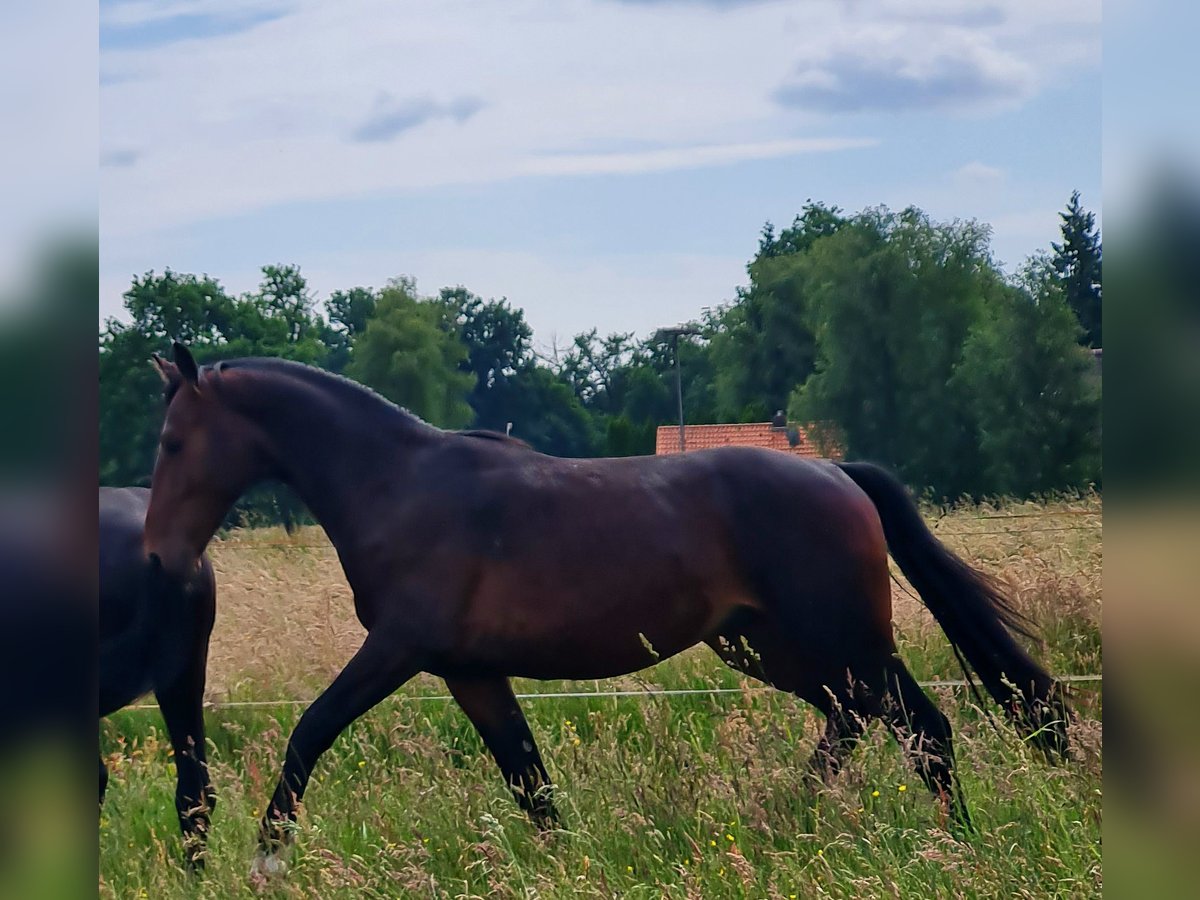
(475,558)
(154,633)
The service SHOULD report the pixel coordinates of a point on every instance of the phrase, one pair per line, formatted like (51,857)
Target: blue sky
(598,162)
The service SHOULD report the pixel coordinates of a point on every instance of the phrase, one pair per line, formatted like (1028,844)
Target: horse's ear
(167,371)
(185,364)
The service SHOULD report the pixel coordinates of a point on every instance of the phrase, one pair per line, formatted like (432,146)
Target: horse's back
(122,571)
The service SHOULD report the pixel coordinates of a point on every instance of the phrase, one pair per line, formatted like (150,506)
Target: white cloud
(260,117)
(391,117)
(889,70)
(977,173)
(134,13)
(254,118)
(673,158)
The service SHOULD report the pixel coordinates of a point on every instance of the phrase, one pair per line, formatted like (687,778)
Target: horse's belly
(582,632)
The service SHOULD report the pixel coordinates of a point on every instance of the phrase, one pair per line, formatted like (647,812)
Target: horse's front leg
(182,705)
(490,705)
(383,663)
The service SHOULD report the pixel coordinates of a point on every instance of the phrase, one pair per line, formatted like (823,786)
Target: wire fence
(641,693)
(243,544)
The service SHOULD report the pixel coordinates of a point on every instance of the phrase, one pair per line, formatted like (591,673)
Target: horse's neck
(333,460)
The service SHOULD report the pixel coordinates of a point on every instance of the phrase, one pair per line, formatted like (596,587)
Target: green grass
(408,803)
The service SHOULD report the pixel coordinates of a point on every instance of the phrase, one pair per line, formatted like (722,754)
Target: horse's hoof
(267,866)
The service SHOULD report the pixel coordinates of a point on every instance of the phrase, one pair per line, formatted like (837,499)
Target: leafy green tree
(628,387)
(595,366)
(1078,261)
(348,313)
(498,343)
(1027,387)
(278,320)
(891,298)
(284,297)
(546,414)
(162,308)
(764,345)
(410,353)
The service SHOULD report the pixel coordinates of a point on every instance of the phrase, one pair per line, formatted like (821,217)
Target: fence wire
(640,693)
(238,544)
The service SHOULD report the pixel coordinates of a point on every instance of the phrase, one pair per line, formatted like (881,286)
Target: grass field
(681,796)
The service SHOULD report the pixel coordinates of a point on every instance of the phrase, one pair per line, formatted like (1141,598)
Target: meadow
(689,796)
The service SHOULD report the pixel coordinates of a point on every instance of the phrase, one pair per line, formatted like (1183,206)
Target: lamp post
(672,335)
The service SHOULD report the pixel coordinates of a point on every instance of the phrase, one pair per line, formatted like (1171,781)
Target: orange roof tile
(752,434)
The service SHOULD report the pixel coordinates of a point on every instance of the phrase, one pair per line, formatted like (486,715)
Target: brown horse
(154,637)
(474,558)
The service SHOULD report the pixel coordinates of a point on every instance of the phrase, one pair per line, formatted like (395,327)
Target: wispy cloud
(390,117)
(153,23)
(118,158)
(714,4)
(675,158)
(977,173)
(963,74)
(290,111)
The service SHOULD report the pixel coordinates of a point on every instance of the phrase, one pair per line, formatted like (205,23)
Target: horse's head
(208,455)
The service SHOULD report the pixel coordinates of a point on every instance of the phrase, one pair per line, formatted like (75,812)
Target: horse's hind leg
(755,644)
(925,733)
(490,705)
(844,727)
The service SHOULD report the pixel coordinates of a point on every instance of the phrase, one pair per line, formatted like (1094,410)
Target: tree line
(900,336)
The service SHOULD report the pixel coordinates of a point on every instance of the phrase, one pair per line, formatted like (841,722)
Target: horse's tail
(973,610)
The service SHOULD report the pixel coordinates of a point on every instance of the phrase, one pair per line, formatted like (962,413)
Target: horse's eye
(171,445)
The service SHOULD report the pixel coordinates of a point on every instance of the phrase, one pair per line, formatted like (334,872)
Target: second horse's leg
(182,705)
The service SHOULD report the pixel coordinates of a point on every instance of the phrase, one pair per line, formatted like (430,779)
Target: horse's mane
(349,391)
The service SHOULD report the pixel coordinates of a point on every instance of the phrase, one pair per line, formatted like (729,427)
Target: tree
(891,298)
(1026,384)
(284,297)
(498,343)
(627,386)
(194,310)
(764,345)
(1078,262)
(547,415)
(410,353)
(348,312)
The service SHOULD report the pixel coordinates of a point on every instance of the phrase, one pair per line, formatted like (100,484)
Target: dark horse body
(475,558)
(154,635)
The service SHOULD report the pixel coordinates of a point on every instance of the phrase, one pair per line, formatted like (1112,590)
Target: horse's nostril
(155,562)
